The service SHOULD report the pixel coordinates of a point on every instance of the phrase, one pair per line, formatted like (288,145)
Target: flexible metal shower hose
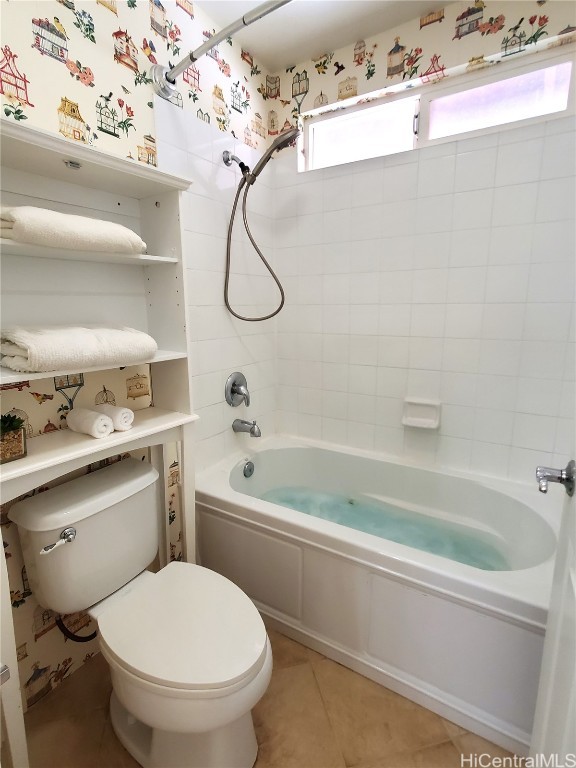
(258,251)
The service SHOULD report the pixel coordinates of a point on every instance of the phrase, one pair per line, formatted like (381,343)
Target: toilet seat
(187,628)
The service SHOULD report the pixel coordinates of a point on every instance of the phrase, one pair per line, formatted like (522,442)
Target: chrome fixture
(66,537)
(248,178)
(565,477)
(236,390)
(248,470)
(164,78)
(229,158)
(240,425)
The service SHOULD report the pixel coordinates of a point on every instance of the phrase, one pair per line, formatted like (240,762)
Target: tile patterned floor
(315,714)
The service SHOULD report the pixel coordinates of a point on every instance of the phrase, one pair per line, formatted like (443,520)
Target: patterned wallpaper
(459,33)
(81,67)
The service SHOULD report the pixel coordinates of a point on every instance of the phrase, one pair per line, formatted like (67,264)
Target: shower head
(282,141)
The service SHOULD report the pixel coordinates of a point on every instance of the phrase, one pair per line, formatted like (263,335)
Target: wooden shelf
(12,248)
(37,151)
(65,447)
(8,376)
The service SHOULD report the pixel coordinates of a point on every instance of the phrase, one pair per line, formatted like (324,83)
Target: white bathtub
(462,641)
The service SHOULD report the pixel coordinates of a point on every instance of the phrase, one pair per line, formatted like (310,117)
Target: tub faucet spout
(240,425)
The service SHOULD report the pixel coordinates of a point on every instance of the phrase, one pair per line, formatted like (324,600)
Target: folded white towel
(122,418)
(39,226)
(74,348)
(89,422)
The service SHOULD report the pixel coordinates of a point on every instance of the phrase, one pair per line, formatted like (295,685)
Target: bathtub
(463,641)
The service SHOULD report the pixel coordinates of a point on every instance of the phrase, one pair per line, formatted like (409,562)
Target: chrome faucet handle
(565,477)
(236,390)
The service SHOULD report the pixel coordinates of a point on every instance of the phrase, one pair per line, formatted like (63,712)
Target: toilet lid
(188,627)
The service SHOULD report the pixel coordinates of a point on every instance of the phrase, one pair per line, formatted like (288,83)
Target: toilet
(188,652)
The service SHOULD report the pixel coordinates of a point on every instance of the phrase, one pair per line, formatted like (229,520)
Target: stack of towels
(100,420)
(38,226)
(38,350)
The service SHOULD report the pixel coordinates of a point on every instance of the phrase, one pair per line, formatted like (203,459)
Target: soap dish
(422,414)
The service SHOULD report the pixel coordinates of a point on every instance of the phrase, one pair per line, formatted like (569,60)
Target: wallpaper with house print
(81,67)
(425,47)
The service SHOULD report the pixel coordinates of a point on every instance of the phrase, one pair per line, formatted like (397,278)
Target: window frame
(500,68)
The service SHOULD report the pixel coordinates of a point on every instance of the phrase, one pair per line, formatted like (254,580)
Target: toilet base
(234,745)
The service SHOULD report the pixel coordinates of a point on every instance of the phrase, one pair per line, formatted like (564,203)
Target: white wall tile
(547,322)
(430,286)
(510,244)
(426,274)
(514,204)
(506,284)
(466,285)
(464,321)
(519,162)
(503,321)
(458,388)
(556,199)
(551,285)
(470,247)
(500,357)
(434,214)
(472,209)
(399,182)
(436,176)
(428,320)
(539,396)
(535,432)
(558,157)
(475,170)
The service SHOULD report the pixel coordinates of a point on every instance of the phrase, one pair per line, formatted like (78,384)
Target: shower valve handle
(66,536)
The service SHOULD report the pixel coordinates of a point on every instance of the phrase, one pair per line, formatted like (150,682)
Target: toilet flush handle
(66,536)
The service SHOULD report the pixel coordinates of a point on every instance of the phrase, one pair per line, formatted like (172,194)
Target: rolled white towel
(89,422)
(122,418)
(39,226)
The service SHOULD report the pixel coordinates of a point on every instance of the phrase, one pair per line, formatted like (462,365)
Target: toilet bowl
(188,652)
(189,657)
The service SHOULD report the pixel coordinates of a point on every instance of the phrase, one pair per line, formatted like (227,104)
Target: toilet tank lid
(82,497)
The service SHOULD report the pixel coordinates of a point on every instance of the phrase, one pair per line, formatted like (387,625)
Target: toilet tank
(115,514)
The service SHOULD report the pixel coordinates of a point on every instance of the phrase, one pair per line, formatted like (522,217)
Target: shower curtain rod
(164,78)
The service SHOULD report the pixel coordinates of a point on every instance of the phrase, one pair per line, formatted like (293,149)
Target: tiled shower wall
(220,343)
(444,273)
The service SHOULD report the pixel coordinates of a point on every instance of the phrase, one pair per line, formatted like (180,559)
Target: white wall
(222,344)
(443,273)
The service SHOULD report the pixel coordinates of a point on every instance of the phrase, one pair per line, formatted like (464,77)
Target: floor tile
(292,728)
(287,652)
(315,714)
(71,742)
(438,756)
(371,722)
(470,744)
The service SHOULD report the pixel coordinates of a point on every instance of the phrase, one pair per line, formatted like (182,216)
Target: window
(384,130)
(410,115)
(532,94)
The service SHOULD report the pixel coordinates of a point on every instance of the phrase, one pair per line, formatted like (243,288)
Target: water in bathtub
(395,524)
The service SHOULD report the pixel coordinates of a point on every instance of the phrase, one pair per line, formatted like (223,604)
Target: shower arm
(164,78)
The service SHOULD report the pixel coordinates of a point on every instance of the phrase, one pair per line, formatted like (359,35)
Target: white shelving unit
(49,286)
